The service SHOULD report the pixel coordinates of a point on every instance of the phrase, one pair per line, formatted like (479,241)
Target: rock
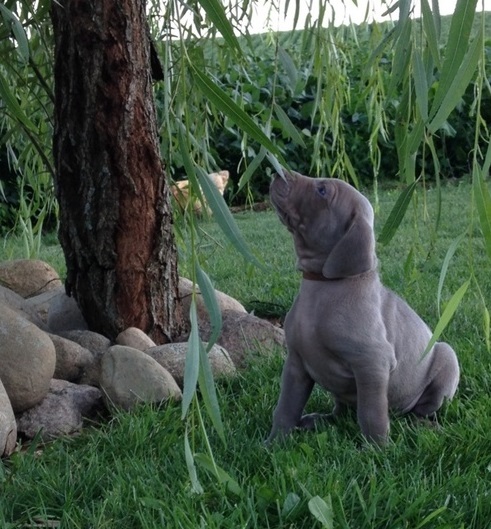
(129,376)
(72,360)
(64,315)
(245,336)
(18,304)
(8,426)
(28,277)
(136,338)
(61,412)
(172,356)
(40,304)
(225,302)
(27,360)
(97,345)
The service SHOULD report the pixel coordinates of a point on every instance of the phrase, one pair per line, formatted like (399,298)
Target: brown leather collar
(314,276)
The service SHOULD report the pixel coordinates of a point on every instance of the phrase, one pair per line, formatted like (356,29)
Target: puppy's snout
(279,186)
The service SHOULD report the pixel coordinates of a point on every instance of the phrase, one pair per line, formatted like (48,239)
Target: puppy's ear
(354,253)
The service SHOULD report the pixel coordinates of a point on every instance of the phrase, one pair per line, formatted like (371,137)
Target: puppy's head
(331,223)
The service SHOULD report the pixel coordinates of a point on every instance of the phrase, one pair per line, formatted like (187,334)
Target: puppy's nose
(287,176)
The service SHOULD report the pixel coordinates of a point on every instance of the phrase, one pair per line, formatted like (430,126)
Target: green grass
(131,472)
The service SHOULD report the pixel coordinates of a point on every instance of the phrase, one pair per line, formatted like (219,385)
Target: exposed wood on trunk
(115,217)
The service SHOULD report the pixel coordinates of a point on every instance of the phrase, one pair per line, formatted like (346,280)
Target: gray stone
(28,277)
(129,376)
(97,345)
(64,315)
(172,356)
(224,301)
(136,338)
(27,360)
(72,360)
(8,426)
(61,412)
(18,304)
(40,304)
(246,337)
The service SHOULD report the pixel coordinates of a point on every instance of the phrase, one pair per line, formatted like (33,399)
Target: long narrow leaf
(223,217)
(191,366)
(482,198)
(289,66)
(288,127)
(223,477)
(211,303)
(251,168)
(455,50)
(487,160)
(458,85)
(430,28)
(402,55)
(420,84)
(447,315)
(215,10)
(193,475)
(225,104)
(208,392)
(18,31)
(443,273)
(188,164)
(397,214)
(13,106)
(487,328)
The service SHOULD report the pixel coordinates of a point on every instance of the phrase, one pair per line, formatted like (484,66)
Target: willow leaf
(430,29)
(251,168)
(420,84)
(225,104)
(223,216)
(443,273)
(211,303)
(402,55)
(482,199)
(447,315)
(193,475)
(397,214)
(215,10)
(188,164)
(17,30)
(455,50)
(13,106)
(208,392)
(458,85)
(221,475)
(191,366)
(289,66)
(288,127)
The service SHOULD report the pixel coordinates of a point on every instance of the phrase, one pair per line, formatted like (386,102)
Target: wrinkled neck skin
(289,197)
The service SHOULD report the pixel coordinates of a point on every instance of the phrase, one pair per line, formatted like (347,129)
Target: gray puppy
(346,331)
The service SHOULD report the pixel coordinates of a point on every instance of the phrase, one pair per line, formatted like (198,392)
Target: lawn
(131,472)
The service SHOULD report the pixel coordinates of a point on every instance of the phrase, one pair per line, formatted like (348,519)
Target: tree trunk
(115,216)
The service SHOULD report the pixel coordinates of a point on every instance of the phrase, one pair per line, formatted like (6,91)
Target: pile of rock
(54,372)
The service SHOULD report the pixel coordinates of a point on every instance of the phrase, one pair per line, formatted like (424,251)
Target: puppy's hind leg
(444,375)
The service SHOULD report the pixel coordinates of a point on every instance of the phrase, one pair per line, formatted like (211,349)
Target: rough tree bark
(115,217)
